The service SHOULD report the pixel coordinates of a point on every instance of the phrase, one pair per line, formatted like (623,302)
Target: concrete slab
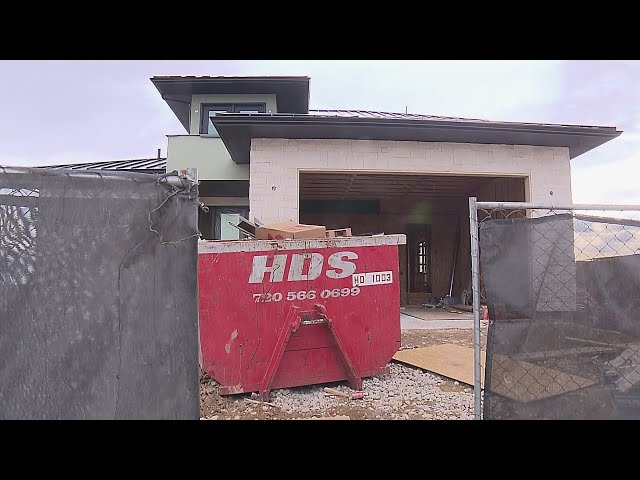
(408,322)
(435,314)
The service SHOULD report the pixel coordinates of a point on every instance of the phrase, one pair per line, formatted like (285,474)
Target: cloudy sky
(80,111)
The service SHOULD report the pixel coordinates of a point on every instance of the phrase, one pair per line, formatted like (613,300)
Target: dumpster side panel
(245,297)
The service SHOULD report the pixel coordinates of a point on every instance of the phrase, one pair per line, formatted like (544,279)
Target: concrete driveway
(417,318)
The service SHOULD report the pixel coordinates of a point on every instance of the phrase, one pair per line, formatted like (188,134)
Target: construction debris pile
(406,392)
(287,230)
(318,349)
(403,394)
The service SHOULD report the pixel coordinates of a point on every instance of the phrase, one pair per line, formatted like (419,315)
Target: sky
(58,112)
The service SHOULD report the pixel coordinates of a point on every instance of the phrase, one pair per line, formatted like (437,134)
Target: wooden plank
(339,232)
(452,361)
(333,391)
(262,403)
(547,354)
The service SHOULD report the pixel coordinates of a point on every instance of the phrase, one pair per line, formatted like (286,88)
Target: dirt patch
(236,407)
(428,338)
(454,386)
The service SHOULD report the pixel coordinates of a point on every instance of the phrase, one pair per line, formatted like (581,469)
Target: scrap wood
(459,312)
(262,403)
(332,391)
(339,232)
(627,367)
(247,232)
(462,308)
(546,354)
(450,361)
(246,226)
(594,342)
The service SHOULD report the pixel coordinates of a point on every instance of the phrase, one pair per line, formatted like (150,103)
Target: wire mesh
(561,288)
(98,306)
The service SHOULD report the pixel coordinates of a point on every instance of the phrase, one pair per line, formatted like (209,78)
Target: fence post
(475,288)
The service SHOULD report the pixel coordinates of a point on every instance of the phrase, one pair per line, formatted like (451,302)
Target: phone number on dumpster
(306,295)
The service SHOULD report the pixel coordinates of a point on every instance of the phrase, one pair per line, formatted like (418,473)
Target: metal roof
(388,115)
(231,77)
(237,130)
(418,116)
(144,165)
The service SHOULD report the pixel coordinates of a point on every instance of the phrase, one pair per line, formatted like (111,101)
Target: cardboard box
(289,230)
(340,232)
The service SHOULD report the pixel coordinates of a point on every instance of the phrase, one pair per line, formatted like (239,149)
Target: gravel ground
(405,393)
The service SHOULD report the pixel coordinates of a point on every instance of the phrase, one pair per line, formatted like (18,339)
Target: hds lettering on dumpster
(313,263)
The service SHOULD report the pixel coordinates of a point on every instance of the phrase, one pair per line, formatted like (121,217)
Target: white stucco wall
(276,164)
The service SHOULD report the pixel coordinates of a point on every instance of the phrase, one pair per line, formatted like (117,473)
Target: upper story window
(210,110)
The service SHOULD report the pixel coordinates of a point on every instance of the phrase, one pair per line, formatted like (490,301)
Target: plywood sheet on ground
(435,314)
(526,381)
(512,378)
(451,361)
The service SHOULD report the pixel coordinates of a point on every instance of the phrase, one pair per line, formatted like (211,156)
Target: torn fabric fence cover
(98,306)
(564,298)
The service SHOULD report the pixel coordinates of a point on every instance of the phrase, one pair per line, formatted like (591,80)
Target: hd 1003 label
(372,278)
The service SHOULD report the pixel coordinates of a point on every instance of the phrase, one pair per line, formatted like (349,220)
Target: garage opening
(431,210)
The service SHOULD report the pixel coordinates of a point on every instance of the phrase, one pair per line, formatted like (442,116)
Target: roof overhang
(237,130)
(292,93)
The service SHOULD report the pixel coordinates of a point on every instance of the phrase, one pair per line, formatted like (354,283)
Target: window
(423,266)
(419,250)
(218,223)
(210,110)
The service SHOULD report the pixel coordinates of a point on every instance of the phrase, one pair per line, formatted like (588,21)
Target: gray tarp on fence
(98,310)
(564,299)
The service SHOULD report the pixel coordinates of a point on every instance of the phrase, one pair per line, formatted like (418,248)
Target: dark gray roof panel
(145,165)
(376,115)
(231,77)
(237,130)
(388,115)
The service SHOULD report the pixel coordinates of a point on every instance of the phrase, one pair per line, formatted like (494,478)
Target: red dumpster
(285,313)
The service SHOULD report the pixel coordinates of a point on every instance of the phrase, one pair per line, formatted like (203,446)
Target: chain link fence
(98,295)
(562,290)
